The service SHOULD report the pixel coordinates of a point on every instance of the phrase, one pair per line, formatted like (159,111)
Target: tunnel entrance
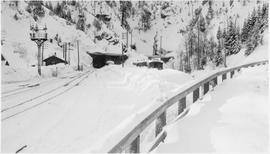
(101,59)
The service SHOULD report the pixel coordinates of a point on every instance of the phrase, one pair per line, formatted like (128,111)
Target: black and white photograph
(134,76)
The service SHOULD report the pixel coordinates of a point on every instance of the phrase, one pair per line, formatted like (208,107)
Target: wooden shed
(101,59)
(52,60)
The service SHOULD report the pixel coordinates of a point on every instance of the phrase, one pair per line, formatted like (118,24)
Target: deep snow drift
(233,118)
(93,115)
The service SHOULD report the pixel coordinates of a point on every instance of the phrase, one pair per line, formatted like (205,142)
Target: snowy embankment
(233,118)
(94,114)
(260,53)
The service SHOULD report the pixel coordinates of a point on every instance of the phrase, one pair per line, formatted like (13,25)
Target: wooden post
(39,67)
(160,123)
(232,73)
(215,81)
(78,55)
(122,25)
(199,59)
(225,65)
(196,94)
(42,54)
(131,38)
(201,92)
(160,44)
(181,105)
(224,76)
(205,88)
(127,40)
(69,53)
(63,50)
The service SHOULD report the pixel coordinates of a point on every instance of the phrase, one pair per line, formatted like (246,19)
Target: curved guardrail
(131,142)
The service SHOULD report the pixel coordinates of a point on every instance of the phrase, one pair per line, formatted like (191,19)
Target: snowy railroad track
(28,104)
(30,86)
(24,88)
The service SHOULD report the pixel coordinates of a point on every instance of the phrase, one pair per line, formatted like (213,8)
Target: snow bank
(259,54)
(94,115)
(233,118)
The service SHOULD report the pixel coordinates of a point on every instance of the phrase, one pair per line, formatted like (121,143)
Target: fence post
(232,73)
(135,146)
(181,105)
(224,76)
(196,94)
(205,87)
(160,123)
(201,92)
(215,81)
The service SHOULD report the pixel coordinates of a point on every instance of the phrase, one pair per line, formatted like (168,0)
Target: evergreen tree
(50,6)
(68,17)
(81,22)
(230,38)
(146,20)
(219,33)
(264,13)
(125,9)
(58,9)
(244,34)
(202,26)
(210,13)
(219,36)
(38,9)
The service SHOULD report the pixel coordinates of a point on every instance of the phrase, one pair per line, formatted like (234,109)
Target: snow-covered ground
(260,53)
(232,118)
(99,110)
(93,114)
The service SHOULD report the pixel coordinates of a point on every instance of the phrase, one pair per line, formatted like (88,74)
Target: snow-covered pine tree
(146,19)
(81,22)
(210,13)
(219,35)
(125,9)
(251,22)
(231,40)
(212,47)
(244,33)
(265,11)
(238,39)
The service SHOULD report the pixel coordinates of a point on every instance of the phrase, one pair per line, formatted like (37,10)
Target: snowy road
(233,118)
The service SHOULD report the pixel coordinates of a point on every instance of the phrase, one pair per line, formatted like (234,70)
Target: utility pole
(39,38)
(78,55)
(127,40)
(42,54)
(63,50)
(122,25)
(160,47)
(131,37)
(66,51)
(198,26)
(69,53)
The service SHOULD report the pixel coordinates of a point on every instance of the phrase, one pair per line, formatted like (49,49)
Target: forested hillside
(196,33)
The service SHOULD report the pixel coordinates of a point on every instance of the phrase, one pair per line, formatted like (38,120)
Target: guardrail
(131,142)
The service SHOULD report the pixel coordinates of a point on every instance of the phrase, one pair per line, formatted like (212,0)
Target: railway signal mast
(39,36)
